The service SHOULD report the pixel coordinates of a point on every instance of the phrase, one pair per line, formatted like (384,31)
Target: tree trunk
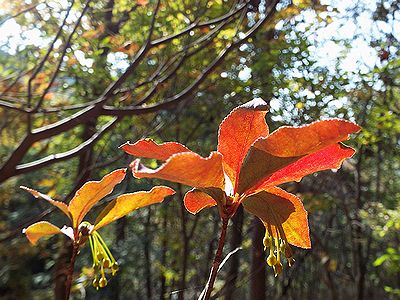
(147,247)
(61,268)
(164,246)
(120,238)
(235,241)
(257,282)
(185,248)
(359,252)
(85,160)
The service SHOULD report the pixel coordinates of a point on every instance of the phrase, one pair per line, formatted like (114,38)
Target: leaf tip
(124,145)
(256,104)
(29,190)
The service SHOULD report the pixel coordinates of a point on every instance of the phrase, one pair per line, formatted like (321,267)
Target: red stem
(70,271)
(217,261)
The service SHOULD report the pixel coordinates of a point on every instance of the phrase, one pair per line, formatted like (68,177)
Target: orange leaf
(187,168)
(330,157)
(129,48)
(61,205)
(91,193)
(126,203)
(196,200)
(290,141)
(237,133)
(142,2)
(148,148)
(281,211)
(40,229)
(287,145)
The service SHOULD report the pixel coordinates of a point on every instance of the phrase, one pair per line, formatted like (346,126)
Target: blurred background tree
(78,79)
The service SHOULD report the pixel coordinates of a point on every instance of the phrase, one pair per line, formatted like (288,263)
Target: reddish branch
(70,271)
(217,261)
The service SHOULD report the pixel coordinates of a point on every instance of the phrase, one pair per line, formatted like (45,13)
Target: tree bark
(235,241)
(164,246)
(359,251)
(147,247)
(61,268)
(257,283)
(185,252)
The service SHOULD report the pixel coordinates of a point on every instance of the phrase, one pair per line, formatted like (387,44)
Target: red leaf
(287,145)
(290,141)
(148,148)
(281,211)
(187,168)
(328,158)
(196,200)
(237,133)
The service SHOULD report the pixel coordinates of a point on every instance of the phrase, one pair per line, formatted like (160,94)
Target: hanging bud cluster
(277,245)
(103,261)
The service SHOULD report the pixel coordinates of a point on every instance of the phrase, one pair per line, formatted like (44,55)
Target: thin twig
(61,59)
(25,10)
(70,272)
(206,294)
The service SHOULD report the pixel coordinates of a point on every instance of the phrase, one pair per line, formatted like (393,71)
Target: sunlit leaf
(187,168)
(290,141)
(62,206)
(287,145)
(92,192)
(281,210)
(40,229)
(124,204)
(148,148)
(238,131)
(330,157)
(196,200)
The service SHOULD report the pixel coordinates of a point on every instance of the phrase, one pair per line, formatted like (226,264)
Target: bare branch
(25,10)
(12,106)
(60,61)
(174,100)
(51,159)
(197,25)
